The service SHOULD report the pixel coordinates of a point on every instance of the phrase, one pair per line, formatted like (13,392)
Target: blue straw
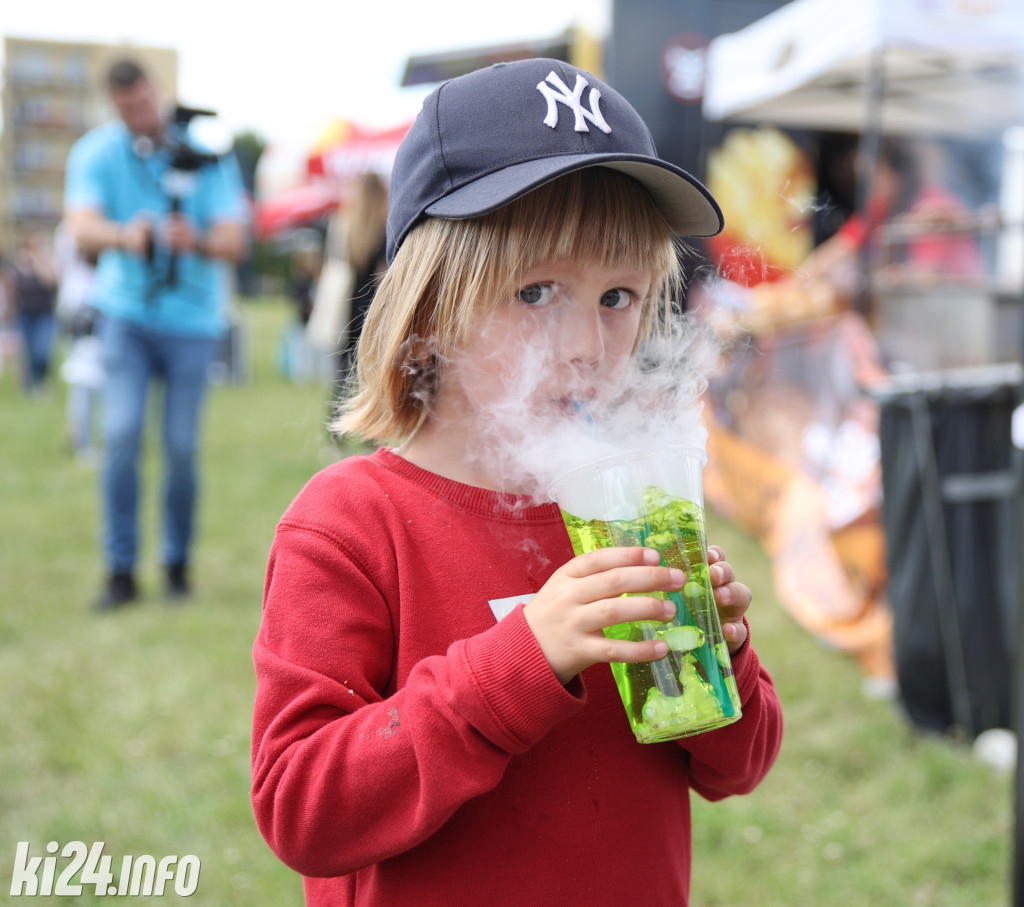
(582,411)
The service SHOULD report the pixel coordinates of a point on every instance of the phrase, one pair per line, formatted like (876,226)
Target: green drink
(693,688)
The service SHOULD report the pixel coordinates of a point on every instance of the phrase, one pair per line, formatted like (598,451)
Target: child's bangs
(596,215)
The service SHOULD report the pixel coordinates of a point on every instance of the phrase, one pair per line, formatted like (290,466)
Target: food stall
(846,391)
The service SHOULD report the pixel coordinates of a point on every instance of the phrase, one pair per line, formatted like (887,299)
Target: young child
(414,743)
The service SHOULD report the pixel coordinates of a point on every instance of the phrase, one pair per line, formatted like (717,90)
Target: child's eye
(617,298)
(536,294)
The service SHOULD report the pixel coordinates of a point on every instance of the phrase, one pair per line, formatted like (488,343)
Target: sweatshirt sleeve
(734,759)
(345,776)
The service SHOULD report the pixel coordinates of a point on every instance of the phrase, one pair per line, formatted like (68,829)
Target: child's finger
(606,558)
(735,633)
(594,617)
(733,598)
(607,650)
(610,572)
(629,580)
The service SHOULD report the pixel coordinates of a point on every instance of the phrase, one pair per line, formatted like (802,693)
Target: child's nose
(583,338)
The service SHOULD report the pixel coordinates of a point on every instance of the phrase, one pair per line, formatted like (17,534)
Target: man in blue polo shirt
(166,236)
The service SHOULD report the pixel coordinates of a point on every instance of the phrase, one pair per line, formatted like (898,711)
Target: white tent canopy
(940,67)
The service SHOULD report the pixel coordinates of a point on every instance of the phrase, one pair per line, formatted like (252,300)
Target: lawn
(133,728)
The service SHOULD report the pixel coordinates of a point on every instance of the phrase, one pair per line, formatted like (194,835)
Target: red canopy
(343,153)
(346,150)
(294,207)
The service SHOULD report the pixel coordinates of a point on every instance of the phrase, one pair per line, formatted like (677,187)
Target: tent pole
(1017,663)
(1017,674)
(867,157)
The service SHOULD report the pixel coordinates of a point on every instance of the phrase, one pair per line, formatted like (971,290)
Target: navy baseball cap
(490,136)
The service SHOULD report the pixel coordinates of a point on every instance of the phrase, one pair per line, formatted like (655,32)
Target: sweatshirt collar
(484,501)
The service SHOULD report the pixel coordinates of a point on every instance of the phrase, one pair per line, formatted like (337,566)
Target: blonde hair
(447,272)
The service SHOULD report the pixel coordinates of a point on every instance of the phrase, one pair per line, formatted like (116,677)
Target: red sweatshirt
(411,748)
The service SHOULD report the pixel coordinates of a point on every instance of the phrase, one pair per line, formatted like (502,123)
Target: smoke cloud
(655,402)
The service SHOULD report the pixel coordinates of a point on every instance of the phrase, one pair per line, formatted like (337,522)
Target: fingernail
(716,574)
(661,649)
(678,577)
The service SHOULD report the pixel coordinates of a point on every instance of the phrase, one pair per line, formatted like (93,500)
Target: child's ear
(420,367)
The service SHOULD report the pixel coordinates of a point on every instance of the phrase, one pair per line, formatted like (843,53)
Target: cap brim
(687,206)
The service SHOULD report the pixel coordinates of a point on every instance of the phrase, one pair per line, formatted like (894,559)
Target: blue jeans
(133,356)
(37,333)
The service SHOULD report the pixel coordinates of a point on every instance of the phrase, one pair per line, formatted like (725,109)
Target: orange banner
(782,475)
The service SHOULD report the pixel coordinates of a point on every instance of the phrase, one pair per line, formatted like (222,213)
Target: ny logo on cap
(573,100)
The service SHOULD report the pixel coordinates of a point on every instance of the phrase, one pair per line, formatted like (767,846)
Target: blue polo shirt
(105,173)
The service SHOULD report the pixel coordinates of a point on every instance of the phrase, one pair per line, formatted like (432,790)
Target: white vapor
(658,402)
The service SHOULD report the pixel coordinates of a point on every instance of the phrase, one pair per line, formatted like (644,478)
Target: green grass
(133,728)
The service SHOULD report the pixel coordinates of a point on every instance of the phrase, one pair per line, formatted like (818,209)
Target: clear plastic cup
(655,498)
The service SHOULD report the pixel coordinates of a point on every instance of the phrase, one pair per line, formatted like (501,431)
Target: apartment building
(52,93)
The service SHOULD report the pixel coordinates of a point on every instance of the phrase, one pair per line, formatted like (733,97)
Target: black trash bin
(950,502)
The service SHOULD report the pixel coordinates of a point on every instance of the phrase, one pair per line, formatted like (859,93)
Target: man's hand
(179,234)
(136,237)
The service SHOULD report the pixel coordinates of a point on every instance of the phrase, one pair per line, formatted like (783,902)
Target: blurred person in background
(162,290)
(82,370)
(902,191)
(297,359)
(366,247)
(33,287)
(5,311)
(303,270)
(10,343)
(912,231)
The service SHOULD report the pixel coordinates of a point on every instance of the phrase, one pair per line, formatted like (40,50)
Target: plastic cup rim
(628,456)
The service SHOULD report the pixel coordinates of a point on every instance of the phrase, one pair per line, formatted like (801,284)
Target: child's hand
(732,598)
(583,597)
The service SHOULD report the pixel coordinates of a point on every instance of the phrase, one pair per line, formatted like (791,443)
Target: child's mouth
(577,407)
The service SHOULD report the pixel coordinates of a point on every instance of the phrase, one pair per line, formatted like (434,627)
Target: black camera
(182,174)
(184,156)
